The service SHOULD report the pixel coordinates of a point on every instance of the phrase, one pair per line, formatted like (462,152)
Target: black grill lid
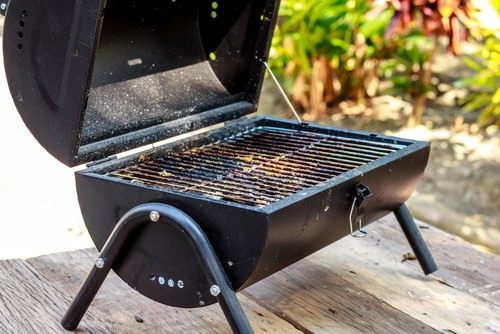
(92,78)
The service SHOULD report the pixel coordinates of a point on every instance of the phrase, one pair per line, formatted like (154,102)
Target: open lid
(92,78)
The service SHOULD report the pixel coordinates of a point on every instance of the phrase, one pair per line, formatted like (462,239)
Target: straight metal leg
(209,263)
(415,239)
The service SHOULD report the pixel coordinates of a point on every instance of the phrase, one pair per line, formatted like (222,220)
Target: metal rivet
(99,263)
(214,290)
(154,216)
(3,6)
(161,280)
(180,284)
(171,283)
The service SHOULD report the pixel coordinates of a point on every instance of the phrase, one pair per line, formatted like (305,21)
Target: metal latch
(361,194)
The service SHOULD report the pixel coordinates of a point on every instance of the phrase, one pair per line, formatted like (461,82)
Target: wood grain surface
(353,286)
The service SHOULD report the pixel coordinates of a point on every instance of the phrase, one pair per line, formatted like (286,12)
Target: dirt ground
(460,191)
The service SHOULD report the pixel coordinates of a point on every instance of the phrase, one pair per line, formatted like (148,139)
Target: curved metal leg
(166,214)
(415,239)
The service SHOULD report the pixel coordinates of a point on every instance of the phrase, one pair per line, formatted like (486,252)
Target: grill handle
(194,235)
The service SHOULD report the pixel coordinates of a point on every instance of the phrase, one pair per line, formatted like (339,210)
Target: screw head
(154,216)
(214,290)
(100,262)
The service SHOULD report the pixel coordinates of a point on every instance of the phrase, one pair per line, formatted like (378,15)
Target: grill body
(96,78)
(252,242)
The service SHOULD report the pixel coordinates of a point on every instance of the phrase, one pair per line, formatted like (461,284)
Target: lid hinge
(97,162)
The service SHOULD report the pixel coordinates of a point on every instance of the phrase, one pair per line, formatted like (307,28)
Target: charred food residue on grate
(256,167)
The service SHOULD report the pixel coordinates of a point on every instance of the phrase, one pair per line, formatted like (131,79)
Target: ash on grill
(257,167)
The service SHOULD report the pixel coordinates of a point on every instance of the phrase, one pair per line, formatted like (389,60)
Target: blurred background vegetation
(328,51)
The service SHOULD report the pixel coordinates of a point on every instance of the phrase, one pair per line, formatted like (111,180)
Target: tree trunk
(419,107)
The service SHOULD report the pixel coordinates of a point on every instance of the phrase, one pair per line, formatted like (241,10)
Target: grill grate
(256,167)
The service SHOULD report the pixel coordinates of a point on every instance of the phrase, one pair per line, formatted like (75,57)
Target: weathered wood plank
(379,271)
(28,303)
(35,295)
(321,301)
(460,265)
(352,286)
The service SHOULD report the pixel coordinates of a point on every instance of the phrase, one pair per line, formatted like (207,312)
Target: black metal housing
(251,243)
(92,78)
(194,238)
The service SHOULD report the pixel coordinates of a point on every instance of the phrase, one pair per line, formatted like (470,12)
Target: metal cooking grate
(257,167)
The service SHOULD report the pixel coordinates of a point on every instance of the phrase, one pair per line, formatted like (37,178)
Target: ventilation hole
(214,14)
(212,56)
(152,276)
(19,46)
(21,24)
(25,13)
(20,34)
(215,5)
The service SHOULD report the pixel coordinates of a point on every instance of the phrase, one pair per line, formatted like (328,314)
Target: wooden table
(352,286)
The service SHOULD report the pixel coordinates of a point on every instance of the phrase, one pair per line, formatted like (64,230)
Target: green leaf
(378,25)
(467,82)
(471,63)
(479,101)
(496,97)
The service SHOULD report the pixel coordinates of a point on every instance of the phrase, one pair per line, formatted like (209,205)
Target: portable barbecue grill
(190,221)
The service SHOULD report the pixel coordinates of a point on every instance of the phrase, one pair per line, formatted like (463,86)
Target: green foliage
(334,36)
(411,22)
(309,29)
(448,18)
(404,69)
(332,50)
(485,62)
(485,83)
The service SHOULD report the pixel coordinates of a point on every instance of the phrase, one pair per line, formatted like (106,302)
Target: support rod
(282,91)
(415,239)
(196,238)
